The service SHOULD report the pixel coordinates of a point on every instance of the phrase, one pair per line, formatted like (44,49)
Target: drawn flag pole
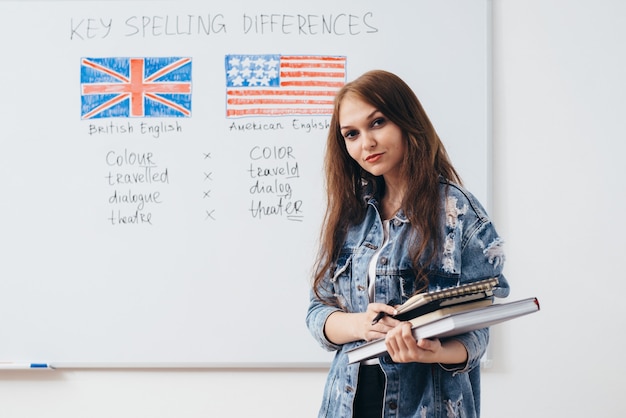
(282,85)
(135,87)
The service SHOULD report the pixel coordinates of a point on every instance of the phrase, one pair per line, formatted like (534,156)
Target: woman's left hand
(403,348)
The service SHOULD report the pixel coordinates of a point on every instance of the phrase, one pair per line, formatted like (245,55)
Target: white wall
(559,112)
(559,119)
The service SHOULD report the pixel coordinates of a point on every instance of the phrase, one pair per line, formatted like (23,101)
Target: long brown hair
(425,161)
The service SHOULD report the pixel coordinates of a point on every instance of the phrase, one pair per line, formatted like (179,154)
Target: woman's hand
(372,330)
(342,327)
(403,348)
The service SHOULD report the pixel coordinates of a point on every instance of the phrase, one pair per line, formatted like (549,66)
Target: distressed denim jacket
(471,250)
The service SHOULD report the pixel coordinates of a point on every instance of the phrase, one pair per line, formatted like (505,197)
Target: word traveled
(146,175)
(286,170)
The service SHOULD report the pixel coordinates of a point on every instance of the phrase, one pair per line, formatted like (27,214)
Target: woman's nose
(369,141)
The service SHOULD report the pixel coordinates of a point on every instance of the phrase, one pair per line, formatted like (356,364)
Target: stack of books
(449,312)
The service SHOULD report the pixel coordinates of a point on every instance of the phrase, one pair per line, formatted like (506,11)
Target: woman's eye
(350,134)
(378,121)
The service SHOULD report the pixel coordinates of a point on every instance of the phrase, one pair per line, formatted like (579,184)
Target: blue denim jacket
(471,251)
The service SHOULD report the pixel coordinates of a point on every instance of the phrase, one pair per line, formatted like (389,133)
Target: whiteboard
(179,229)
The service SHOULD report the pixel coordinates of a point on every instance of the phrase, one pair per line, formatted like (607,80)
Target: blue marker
(25,366)
(38,366)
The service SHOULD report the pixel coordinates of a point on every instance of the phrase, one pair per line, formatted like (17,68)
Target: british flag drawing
(272,84)
(135,87)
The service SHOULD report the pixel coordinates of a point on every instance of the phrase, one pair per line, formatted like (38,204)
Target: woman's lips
(373,158)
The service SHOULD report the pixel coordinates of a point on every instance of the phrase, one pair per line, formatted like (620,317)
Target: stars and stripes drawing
(277,85)
(135,87)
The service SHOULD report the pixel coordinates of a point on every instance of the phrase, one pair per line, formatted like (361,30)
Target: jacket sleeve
(316,317)
(475,343)
(482,256)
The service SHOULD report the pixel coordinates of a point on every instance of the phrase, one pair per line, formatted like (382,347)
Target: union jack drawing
(135,87)
(282,85)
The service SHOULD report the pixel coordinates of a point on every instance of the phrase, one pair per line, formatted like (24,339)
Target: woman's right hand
(342,327)
(374,325)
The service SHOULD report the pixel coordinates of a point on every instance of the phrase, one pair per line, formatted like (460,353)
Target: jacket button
(349,389)
(384,260)
(360,288)
(393,405)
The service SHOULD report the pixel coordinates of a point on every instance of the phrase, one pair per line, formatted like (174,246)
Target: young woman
(398,222)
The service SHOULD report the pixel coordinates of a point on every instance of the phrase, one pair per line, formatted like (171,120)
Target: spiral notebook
(426,302)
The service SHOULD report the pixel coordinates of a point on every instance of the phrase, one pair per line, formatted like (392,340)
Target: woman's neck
(392,201)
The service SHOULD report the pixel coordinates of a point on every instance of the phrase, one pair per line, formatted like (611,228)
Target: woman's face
(373,141)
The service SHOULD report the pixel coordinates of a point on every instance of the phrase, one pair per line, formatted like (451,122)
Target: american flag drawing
(282,85)
(135,87)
